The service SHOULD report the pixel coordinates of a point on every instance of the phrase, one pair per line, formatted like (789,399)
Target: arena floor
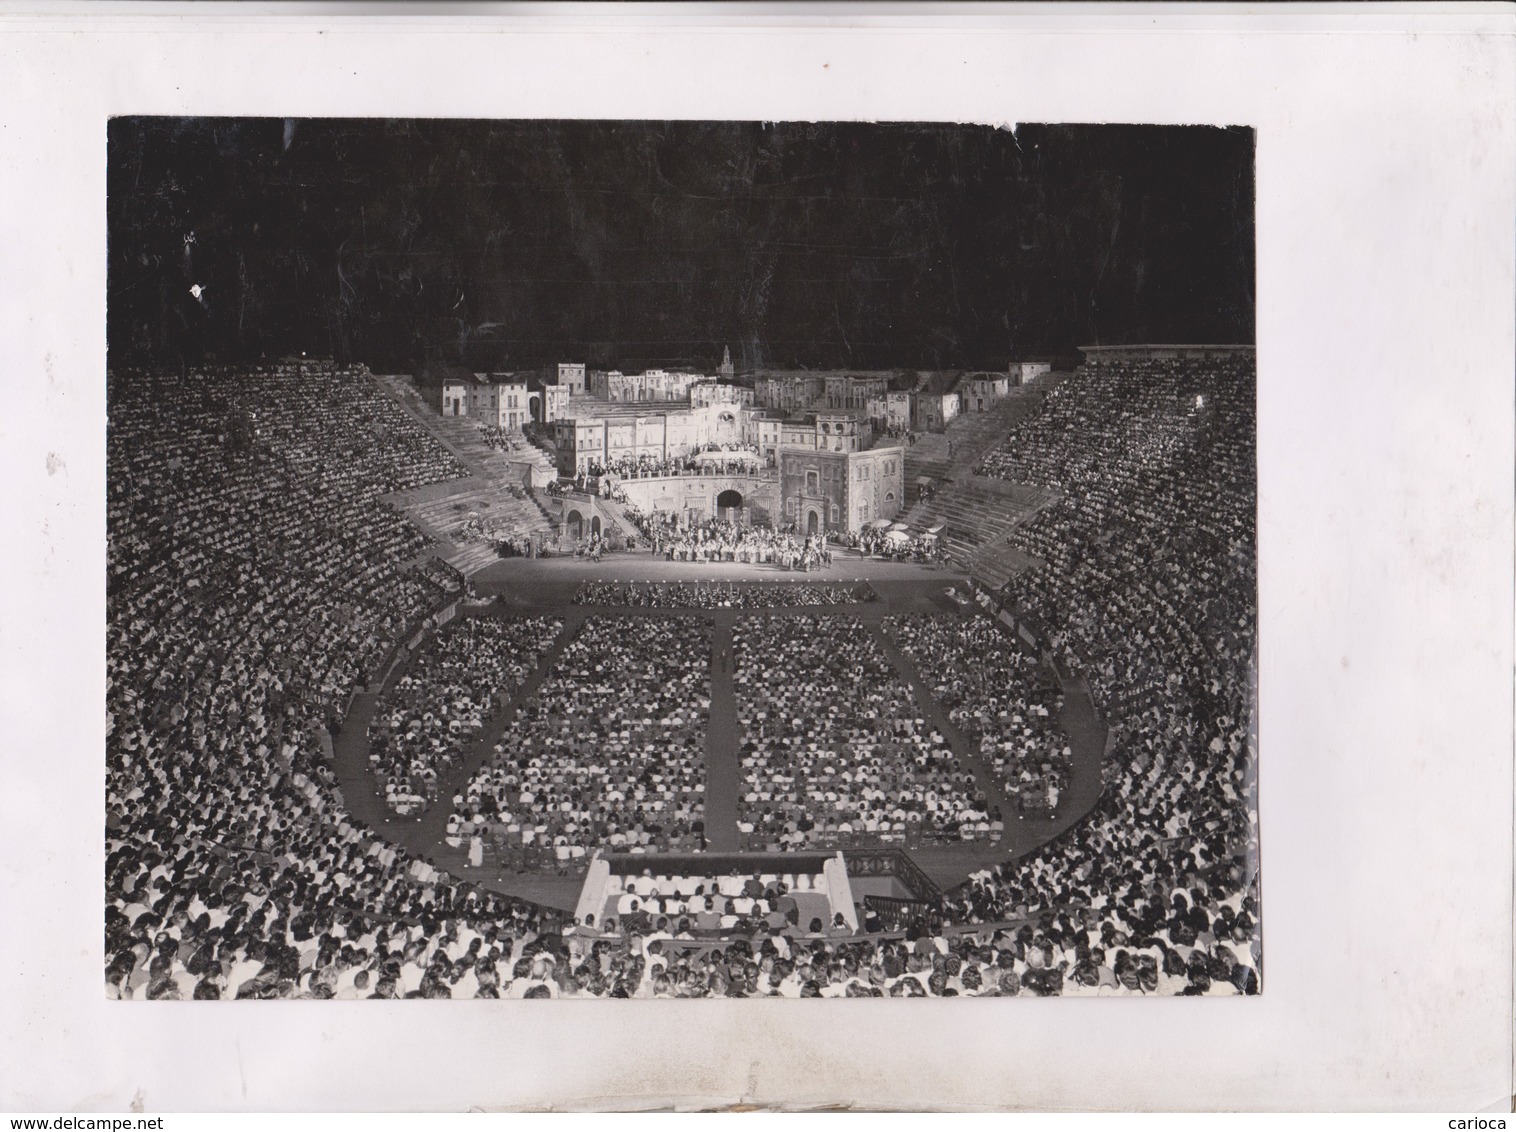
(549,585)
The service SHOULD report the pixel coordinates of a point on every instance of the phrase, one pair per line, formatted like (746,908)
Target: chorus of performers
(721,540)
(873,542)
(713,459)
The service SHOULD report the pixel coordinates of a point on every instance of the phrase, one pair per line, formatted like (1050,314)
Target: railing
(896,913)
(716,864)
(891,863)
(573,494)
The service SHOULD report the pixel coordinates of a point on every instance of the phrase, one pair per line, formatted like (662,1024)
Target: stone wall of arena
(1112,355)
(760,494)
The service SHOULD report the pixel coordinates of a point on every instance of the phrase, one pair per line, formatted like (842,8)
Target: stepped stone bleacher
(977,515)
(467,516)
(971,435)
(928,457)
(464,436)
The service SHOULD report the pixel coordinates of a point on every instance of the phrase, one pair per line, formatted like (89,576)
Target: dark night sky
(513,244)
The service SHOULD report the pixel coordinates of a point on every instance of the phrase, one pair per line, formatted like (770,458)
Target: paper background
(1386,226)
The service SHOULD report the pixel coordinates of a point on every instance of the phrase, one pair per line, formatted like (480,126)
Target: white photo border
(1386,222)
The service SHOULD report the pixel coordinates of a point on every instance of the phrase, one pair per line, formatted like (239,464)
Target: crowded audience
(667,954)
(834,749)
(1148,591)
(451,689)
(610,752)
(999,698)
(255,580)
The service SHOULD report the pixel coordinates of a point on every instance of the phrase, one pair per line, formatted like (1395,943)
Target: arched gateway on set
(575,524)
(812,522)
(729,505)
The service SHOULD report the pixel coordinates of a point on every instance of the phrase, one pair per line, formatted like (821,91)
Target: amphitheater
(377,728)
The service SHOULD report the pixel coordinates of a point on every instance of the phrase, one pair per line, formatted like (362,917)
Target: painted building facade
(980,392)
(507,401)
(935,402)
(767,433)
(495,399)
(582,440)
(650,385)
(1024,373)
(547,402)
(789,392)
(841,491)
(706,393)
(455,397)
(853,390)
(746,499)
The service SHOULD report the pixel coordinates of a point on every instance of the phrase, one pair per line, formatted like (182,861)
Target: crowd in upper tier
(1000,698)
(835,750)
(610,752)
(255,580)
(451,688)
(720,595)
(1149,592)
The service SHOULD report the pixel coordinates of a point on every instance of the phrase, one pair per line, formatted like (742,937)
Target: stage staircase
(615,514)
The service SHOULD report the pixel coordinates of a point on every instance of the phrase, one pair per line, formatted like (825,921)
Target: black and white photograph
(667,506)
(680,559)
